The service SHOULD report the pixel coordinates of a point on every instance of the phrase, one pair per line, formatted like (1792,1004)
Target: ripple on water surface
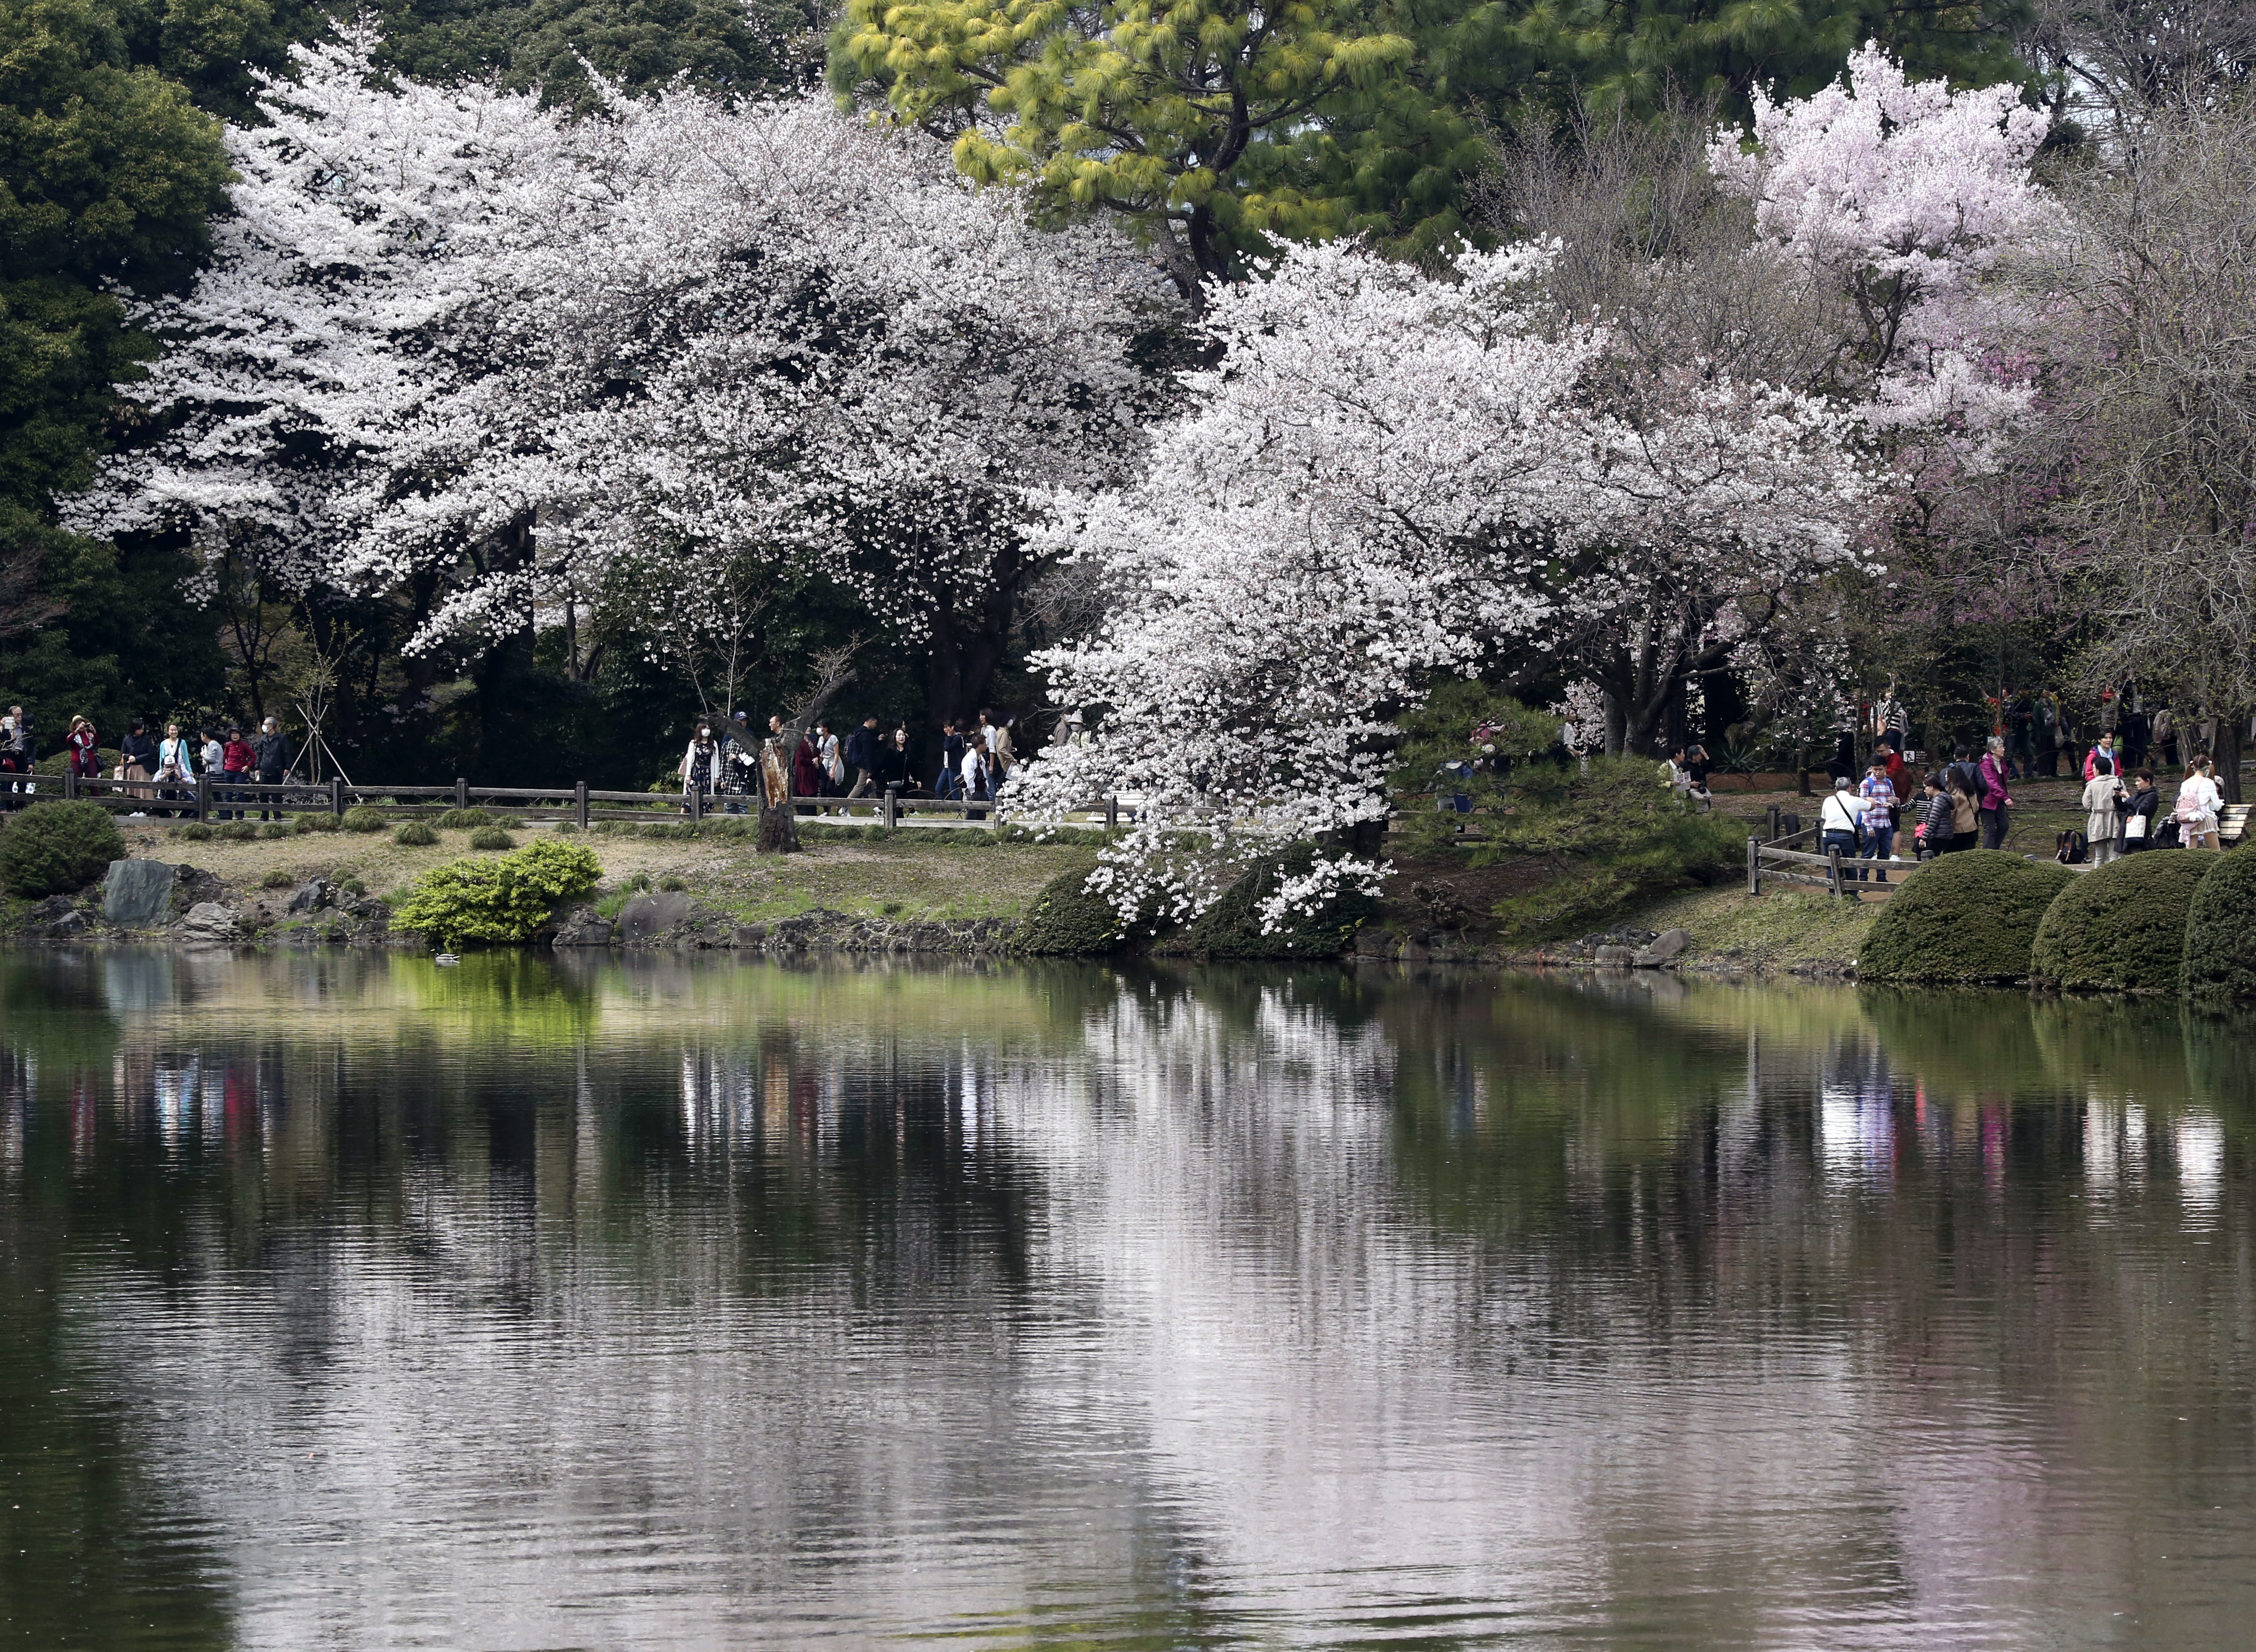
(590,1303)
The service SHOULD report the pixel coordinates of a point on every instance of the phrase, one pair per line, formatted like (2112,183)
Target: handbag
(2134,828)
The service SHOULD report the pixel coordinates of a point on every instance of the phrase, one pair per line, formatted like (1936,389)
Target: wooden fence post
(462,793)
(1755,867)
(892,808)
(336,797)
(1111,814)
(696,804)
(70,783)
(1773,825)
(203,797)
(580,804)
(1833,870)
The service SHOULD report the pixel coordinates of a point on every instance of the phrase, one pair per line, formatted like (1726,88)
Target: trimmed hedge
(2122,927)
(53,849)
(2219,960)
(1066,921)
(1965,917)
(1231,927)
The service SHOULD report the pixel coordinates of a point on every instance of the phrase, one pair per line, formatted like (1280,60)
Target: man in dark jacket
(272,750)
(862,757)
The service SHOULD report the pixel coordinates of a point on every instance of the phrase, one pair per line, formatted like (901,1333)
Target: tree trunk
(778,829)
(2228,753)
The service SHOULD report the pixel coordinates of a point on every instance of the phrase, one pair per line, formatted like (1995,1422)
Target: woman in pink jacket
(1995,802)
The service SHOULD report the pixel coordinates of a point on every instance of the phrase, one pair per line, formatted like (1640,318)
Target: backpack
(2166,834)
(2072,847)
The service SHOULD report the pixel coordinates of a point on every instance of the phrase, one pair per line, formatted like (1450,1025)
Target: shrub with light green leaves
(500,900)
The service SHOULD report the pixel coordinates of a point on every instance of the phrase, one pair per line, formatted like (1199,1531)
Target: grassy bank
(926,875)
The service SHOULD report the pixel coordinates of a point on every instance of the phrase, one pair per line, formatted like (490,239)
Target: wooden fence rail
(207,798)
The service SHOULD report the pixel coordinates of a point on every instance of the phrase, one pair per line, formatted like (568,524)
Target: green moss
(2123,925)
(2219,960)
(1231,927)
(1065,920)
(1966,917)
(51,849)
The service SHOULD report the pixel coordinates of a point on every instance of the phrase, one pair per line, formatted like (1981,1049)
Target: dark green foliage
(273,830)
(2123,925)
(51,849)
(1231,927)
(2220,934)
(462,820)
(276,879)
(671,886)
(1965,917)
(316,823)
(415,834)
(193,832)
(361,818)
(237,831)
(1065,920)
(492,837)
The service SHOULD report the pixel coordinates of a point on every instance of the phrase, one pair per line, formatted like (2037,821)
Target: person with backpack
(2103,796)
(1965,815)
(2199,801)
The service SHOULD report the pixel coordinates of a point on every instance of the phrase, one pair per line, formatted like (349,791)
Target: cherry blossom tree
(347,297)
(1391,477)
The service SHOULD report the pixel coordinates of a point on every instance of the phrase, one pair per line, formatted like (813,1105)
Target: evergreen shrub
(415,834)
(463,819)
(2123,925)
(1065,920)
(1972,916)
(498,900)
(492,837)
(273,831)
(361,818)
(276,879)
(193,832)
(1231,927)
(238,831)
(2219,960)
(316,823)
(52,848)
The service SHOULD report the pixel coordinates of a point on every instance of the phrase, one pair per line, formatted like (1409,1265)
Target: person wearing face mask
(701,766)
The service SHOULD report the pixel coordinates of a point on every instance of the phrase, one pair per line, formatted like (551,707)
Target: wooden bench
(2232,822)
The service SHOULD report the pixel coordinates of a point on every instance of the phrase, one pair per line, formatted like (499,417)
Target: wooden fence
(206,798)
(1778,860)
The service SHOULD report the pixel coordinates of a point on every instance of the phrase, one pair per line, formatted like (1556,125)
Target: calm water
(351,1302)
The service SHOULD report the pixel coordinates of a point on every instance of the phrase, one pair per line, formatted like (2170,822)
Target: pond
(349,1302)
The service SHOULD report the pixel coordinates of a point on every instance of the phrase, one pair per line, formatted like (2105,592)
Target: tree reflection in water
(675,1303)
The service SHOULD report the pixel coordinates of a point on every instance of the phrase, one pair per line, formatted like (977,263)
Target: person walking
(739,764)
(1840,818)
(1995,802)
(2021,739)
(862,757)
(237,763)
(1933,832)
(1966,812)
(1878,795)
(271,752)
(2162,740)
(2103,817)
(830,761)
(973,771)
(945,780)
(2199,801)
(2138,813)
(2045,728)
(894,772)
(17,751)
(136,761)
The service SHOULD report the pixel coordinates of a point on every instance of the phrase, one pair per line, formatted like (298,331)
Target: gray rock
(313,895)
(648,918)
(70,924)
(208,921)
(583,927)
(1614,957)
(1668,944)
(137,894)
